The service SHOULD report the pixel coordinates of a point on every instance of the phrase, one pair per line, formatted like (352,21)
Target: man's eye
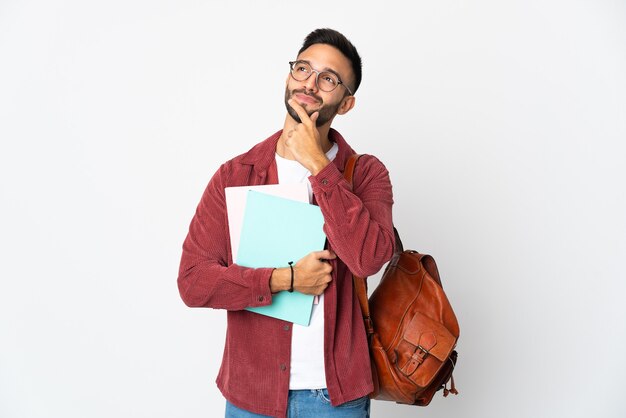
(302,68)
(330,80)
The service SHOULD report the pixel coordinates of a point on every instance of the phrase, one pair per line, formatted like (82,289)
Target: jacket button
(283,367)
(324,181)
(261,298)
(286,327)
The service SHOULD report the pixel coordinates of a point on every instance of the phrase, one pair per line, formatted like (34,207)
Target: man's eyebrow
(330,70)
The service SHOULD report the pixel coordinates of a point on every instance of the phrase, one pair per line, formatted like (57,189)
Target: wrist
(280,279)
(318,165)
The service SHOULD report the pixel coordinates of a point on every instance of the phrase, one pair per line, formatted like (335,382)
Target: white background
(502,124)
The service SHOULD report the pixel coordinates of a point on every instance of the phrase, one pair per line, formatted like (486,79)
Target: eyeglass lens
(326,81)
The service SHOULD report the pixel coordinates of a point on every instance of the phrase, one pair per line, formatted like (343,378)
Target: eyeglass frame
(317,74)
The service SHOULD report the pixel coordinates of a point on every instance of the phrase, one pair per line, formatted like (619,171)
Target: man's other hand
(312,274)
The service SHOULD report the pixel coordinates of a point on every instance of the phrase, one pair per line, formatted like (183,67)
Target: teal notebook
(275,231)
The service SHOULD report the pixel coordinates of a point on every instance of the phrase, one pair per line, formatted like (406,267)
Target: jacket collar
(262,154)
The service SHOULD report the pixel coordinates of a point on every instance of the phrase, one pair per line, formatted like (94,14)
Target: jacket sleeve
(357,223)
(207,277)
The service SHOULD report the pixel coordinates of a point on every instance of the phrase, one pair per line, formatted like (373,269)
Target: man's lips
(305,98)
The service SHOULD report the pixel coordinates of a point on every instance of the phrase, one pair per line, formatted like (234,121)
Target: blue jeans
(311,404)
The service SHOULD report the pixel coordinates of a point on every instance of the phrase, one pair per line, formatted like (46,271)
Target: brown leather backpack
(411,327)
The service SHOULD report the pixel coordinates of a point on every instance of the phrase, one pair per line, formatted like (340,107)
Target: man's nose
(311,82)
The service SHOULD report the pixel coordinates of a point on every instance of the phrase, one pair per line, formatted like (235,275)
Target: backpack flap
(425,346)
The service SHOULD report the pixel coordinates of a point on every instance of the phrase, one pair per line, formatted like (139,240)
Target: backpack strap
(360,283)
(348,171)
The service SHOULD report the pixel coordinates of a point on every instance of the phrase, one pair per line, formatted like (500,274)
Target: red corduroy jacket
(254,374)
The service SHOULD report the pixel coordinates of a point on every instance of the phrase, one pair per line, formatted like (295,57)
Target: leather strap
(348,171)
(360,283)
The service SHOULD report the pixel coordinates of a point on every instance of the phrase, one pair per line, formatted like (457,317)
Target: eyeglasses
(325,80)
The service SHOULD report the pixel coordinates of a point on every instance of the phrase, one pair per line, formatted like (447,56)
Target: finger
(314,117)
(304,117)
(319,290)
(325,254)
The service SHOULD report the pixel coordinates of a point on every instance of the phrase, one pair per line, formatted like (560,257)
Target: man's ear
(346,105)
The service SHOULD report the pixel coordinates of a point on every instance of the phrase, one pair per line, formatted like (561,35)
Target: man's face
(321,57)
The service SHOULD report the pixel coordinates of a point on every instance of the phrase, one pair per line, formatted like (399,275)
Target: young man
(272,367)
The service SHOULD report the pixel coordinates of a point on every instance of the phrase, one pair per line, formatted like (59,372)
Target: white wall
(502,124)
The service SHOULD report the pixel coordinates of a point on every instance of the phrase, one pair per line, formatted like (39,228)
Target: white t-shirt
(307,343)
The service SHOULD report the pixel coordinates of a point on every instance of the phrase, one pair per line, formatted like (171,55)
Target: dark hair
(333,38)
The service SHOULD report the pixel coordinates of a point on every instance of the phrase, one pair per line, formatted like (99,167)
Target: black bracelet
(291,267)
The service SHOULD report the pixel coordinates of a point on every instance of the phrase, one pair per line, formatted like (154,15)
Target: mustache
(303,91)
